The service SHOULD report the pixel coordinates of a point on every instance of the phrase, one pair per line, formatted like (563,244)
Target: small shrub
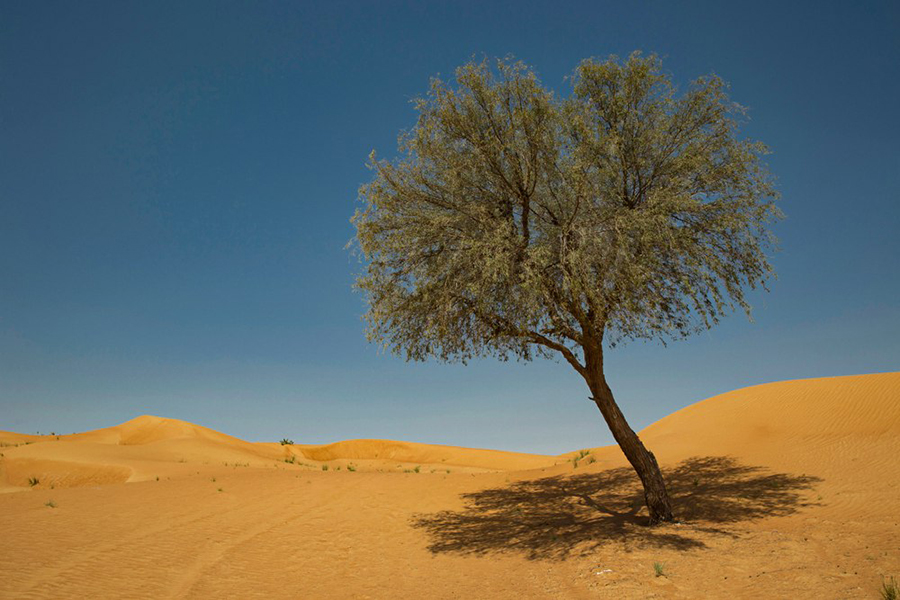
(291,460)
(324,467)
(417,468)
(581,454)
(221,490)
(213,479)
(889,590)
(351,468)
(33,481)
(659,569)
(286,442)
(50,504)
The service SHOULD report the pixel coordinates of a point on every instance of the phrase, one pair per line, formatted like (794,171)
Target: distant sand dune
(147,447)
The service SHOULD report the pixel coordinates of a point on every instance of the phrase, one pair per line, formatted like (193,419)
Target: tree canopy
(517,222)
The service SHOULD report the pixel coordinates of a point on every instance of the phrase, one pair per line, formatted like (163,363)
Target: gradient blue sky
(176,183)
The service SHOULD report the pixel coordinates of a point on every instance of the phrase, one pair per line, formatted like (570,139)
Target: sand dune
(413,453)
(786,489)
(148,447)
(763,419)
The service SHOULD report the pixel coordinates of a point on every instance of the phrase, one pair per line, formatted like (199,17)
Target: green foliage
(50,504)
(351,468)
(417,468)
(286,442)
(659,569)
(581,454)
(517,222)
(890,590)
(33,481)
(324,467)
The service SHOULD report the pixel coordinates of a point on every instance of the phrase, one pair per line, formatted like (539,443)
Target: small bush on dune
(659,569)
(324,467)
(50,504)
(33,481)
(286,442)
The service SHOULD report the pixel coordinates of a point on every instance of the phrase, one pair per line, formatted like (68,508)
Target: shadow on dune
(555,517)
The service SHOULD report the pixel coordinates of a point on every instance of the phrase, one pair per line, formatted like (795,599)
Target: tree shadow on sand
(556,517)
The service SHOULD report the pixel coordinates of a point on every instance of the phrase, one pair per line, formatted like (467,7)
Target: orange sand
(785,490)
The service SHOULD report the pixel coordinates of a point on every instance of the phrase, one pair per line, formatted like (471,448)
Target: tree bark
(643,461)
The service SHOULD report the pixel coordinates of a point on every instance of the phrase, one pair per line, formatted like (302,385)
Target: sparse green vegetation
(33,481)
(659,569)
(286,442)
(50,504)
(417,468)
(581,454)
(351,468)
(324,467)
(221,490)
(291,460)
(889,590)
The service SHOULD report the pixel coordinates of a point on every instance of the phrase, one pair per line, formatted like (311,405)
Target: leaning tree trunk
(643,461)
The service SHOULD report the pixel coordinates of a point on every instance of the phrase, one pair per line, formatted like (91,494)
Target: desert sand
(783,490)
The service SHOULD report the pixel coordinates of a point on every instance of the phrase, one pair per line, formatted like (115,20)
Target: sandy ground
(785,490)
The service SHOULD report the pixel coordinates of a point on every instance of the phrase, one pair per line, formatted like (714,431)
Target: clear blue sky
(176,183)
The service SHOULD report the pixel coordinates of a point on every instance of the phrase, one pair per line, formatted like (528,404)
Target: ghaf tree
(518,223)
